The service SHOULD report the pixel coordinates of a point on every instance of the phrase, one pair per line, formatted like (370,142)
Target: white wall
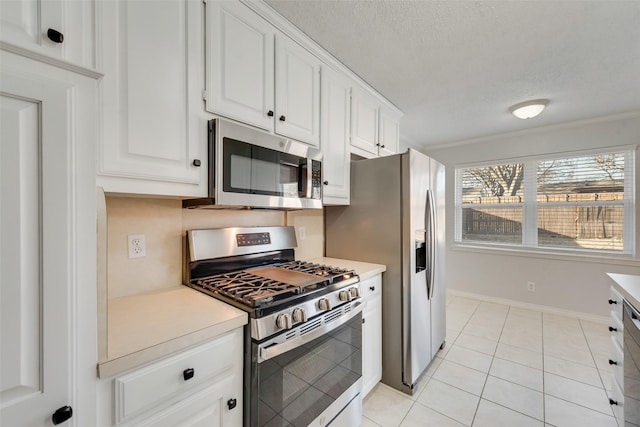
(577,285)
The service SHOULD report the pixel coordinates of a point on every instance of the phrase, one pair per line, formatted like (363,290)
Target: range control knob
(283,321)
(345,296)
(299,315)
(355,292)
(324,304)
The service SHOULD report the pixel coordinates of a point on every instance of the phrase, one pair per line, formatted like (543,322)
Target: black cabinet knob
(188,374)
(612,301)
(231,403)
(372,288)
(62,415)
(612,329)
(326,182)
(611,362)
(613,402)
(363,320)
(382,146)
(55,36)
(283,118)
(378,144)
(270,113)
(197,163)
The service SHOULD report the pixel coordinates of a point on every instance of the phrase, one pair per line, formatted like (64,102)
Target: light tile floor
(506,366)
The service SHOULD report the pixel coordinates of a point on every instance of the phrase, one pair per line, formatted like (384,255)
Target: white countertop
(628,286)
(364,269)
(142,328)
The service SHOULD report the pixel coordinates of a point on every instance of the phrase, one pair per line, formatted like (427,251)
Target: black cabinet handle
(363,320)
(326,182)
(613,402)
(188,374)
(378,144)
(270,113)
(231,403)
(62,415)
(612,301)
(197,163)
(382,146)
(55,36)
(283,118)
(372,288)
(611,362)
(612,329)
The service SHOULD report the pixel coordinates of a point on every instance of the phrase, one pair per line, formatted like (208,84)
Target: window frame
(530,206)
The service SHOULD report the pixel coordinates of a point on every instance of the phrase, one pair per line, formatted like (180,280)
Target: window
(579,202)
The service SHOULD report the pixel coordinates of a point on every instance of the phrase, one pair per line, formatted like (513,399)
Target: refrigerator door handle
(431,244)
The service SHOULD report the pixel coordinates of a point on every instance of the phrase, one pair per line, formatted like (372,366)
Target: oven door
(313,378)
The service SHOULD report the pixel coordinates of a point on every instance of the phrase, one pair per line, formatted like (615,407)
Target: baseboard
(527,306)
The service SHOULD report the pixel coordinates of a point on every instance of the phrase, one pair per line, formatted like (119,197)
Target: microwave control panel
(316,180)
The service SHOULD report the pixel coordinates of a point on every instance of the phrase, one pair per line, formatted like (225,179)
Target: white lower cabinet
(371,333)
(198,387)
(616,357)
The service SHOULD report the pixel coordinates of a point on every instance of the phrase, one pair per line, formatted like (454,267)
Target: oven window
(297,386)
(257,170)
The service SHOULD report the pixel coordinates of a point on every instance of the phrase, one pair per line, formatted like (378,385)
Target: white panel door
(240,64)
(364,121)
(297,92)
(36,249)
(335,135)
(25,24)
(150,129)
(389,133)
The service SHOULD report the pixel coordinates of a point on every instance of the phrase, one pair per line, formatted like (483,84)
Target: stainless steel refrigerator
(396,218)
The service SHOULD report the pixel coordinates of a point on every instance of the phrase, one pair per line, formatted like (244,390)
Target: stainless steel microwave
(249,167)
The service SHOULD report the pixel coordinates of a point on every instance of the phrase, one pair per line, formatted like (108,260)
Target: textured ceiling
(455,67)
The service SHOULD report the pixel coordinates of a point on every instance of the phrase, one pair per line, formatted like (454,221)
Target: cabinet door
(240,64)
(151,132)
(297,92)
(389,133)
(371,334)
(46,180)
(25,24)
(364,122)
(208,408)
(336,128)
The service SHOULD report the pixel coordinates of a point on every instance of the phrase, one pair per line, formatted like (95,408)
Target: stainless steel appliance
(631,363)
(249,167)
(303,357)
(396,218)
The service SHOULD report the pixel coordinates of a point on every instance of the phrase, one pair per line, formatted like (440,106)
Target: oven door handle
(266,353)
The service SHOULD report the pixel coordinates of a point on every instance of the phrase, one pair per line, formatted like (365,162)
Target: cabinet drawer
(615,302)
(616,328)
(617,402)
(617,356)
(371,287)
(147,387)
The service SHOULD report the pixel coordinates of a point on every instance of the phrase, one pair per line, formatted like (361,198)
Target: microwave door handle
(309,178)
(302,166)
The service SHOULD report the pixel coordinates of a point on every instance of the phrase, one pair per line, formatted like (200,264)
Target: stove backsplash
(163,222)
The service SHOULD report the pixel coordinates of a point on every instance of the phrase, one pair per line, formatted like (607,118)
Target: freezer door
(416,305)
(437,285)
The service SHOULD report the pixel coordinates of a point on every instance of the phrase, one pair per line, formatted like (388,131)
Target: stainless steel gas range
(303,343)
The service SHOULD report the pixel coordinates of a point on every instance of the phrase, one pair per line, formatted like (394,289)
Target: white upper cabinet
(259,76)
(389,132)
(297,92)
(240,64)
(375,129)
(154,130)
(58,29)
(335,136)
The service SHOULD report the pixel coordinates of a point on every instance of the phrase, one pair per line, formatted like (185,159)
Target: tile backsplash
(163,222)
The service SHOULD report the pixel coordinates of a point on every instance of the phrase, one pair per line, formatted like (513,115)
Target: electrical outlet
(302,233)
(137,247)
(531,287)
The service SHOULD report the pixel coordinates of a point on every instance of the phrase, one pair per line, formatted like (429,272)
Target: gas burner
(316,269)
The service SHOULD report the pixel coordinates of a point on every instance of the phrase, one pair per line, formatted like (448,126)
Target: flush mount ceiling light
(528,109)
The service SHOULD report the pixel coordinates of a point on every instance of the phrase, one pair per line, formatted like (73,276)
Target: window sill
(561,255)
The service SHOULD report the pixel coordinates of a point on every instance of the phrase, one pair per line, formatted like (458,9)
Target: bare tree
(500,180)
